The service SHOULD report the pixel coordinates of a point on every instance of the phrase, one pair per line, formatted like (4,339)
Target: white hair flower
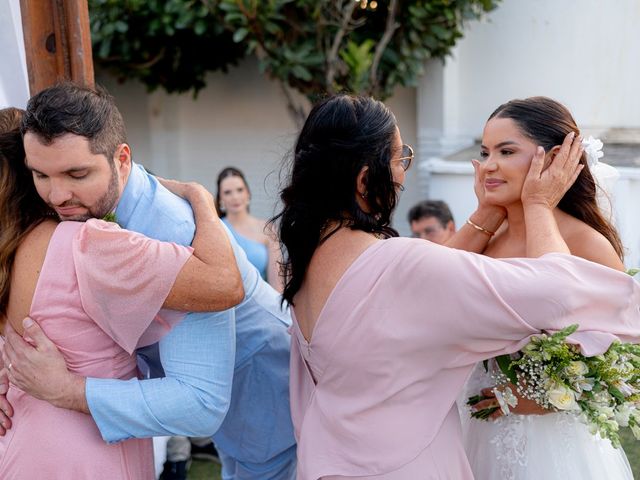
(593,150)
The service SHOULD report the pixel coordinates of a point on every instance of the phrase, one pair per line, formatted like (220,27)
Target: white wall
(584,53)
(14,82)
(239,120)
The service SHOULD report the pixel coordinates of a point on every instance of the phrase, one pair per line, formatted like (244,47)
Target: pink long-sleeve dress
(99,296)
(373,393)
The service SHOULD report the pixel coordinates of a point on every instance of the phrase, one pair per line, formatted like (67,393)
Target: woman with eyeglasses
(387,329)
(534,443)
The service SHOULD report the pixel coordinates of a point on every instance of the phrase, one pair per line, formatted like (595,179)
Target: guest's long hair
(21,208)
(547,122)
(342,135)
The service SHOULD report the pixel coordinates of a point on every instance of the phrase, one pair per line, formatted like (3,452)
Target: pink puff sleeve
(124,278)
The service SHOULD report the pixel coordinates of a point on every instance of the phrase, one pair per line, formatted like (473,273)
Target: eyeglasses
(407,156)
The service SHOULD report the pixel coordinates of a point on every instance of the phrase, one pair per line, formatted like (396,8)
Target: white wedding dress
(556,446)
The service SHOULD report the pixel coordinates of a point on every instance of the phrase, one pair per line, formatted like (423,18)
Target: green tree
(312,46)
(171,44)
(358,46)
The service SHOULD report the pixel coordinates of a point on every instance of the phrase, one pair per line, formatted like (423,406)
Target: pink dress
(99,296)
(373,393)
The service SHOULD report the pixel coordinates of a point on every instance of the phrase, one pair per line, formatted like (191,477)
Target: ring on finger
(9,366)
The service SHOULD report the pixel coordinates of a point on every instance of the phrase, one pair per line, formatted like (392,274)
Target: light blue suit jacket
(196,362)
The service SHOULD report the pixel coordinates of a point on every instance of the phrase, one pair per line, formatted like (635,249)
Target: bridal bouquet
(604,390)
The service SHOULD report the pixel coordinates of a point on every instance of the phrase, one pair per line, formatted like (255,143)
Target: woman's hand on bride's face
(546,186)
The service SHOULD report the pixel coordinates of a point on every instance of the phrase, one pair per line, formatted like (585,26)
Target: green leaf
(617,394)
(110,217)
(200,27)
(287,33)
(240,35)
(633,271)
(301,72)
(504,363)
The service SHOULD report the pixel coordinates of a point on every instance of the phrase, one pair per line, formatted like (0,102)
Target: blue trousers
(281,467)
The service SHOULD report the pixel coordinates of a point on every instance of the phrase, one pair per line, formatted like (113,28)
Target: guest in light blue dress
(233,198)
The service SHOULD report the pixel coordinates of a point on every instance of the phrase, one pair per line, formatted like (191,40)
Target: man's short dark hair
(431,208)
(70,108)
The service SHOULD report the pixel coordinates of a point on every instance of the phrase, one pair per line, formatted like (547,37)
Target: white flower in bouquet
(626,389)
(583,384)
(563,398)
(576,368)
(622,415)
(602,397)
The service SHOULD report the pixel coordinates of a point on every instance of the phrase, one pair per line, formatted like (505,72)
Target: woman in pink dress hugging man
(388,329)
(98,292)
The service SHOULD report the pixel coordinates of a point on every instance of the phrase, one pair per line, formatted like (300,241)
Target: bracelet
(480,229)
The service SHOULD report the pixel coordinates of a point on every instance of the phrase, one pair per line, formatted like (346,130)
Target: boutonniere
(110,217)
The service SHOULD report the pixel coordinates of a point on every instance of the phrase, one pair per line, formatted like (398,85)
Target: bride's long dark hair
(342,135)
(547,122)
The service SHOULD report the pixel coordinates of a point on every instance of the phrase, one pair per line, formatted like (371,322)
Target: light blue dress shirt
(199,358)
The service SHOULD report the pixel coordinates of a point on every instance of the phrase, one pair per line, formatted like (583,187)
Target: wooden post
(57,42)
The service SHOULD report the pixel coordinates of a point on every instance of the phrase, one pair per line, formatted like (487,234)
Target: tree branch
(296,111)
(332,57)
(389,30)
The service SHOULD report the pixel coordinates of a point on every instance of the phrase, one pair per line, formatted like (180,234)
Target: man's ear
(122,159)
(451,226)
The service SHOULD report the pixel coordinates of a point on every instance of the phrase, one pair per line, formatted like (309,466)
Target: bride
(534,443)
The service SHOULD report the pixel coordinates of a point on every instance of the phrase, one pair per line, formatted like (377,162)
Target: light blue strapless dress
(257,252)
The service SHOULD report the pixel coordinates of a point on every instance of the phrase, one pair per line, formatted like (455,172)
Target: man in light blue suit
(212,376)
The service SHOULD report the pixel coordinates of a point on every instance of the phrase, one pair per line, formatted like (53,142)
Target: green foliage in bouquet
(604,390)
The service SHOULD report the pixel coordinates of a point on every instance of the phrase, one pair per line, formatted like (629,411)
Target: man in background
(432,220)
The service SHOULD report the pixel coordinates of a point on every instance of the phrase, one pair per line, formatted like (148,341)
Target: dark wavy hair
(547,122)
(21,208)
(342,135)
(69,108)
(226,173)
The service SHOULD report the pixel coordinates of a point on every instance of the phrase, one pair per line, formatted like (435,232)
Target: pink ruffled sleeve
(124,278)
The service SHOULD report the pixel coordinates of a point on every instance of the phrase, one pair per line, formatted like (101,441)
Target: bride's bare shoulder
(586,242)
